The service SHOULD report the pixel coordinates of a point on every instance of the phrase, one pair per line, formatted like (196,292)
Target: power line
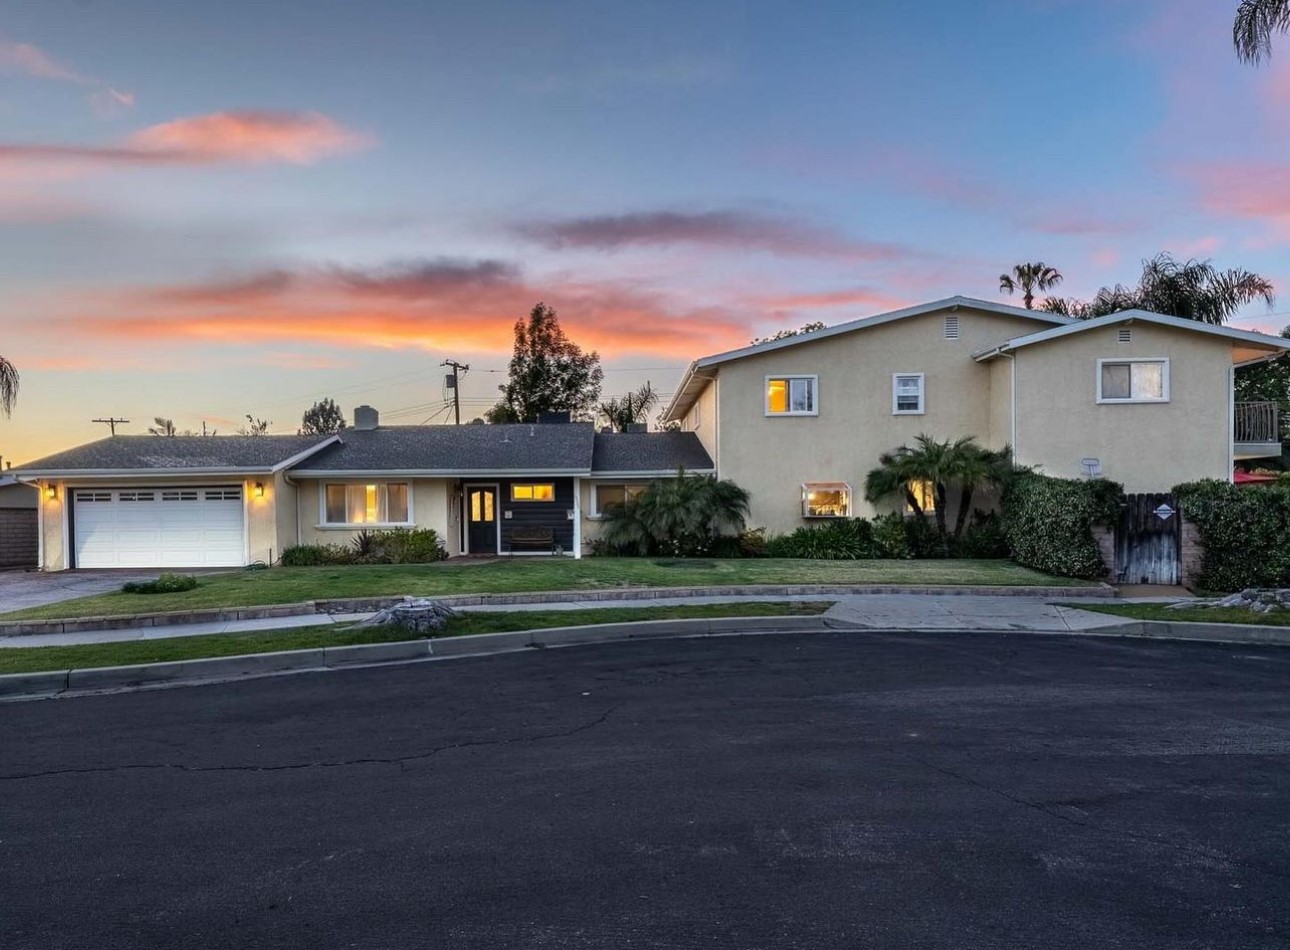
(111,422)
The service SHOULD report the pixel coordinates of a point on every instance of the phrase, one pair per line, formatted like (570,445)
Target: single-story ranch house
(1141,398)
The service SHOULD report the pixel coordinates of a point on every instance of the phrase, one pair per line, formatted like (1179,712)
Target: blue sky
(208,210)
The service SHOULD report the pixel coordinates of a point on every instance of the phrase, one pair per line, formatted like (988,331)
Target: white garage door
(159,527)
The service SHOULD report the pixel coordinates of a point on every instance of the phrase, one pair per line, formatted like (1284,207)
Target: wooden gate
(1148,540)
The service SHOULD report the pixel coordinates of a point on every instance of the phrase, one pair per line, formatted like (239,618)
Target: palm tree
(1256,23)
(964,463)
(8,386)
(678,516)
(1192,289)
(1028,278)
(630,409)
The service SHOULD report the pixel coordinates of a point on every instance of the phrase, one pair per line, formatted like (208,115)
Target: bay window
(376,503)
(826,500)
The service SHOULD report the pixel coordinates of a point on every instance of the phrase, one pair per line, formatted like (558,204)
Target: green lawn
(1189,614)
(285,585)
(31,659)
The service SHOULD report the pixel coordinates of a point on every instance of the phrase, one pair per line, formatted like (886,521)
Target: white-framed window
(826,500)
(924,492)
(347,503)
(608,494)
(1138,380)
(533,491)
(908,394)
(792,396)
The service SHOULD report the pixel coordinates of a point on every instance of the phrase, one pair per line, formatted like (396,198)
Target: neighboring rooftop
(649,453)
(128,453)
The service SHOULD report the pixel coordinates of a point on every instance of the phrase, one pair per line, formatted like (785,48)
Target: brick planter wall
(1104,535)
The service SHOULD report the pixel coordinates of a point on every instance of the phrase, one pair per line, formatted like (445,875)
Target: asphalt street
(955,790)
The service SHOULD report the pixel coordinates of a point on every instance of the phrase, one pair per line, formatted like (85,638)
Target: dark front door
(481,519)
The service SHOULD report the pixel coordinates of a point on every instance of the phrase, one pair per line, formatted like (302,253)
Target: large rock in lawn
(416,615)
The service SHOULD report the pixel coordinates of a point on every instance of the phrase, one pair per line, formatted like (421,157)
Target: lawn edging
(353,605)
(214,669)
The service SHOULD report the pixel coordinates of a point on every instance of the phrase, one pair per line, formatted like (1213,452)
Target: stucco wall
(702,420)
(1000,407)
(430,509)
(772,457)
(1144,446)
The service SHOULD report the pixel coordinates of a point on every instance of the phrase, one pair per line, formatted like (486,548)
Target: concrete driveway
(22,589)
(846,790)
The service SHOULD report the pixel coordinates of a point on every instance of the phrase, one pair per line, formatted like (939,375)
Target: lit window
(606,496)
(907,394)
(826,500)
(924,493)
(380,503)
(1132,380)
(791,396)
(543,491)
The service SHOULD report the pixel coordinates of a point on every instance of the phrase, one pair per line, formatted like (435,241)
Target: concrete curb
(17,628)
(216,669)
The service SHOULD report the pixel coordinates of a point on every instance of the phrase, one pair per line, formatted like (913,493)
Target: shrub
(1245,533)
(677,517)
(1048,522)
(410,546)
(315,555)
(846,539)
(984,537)
(365,547)
(165,584)
(753,543)
(891,536)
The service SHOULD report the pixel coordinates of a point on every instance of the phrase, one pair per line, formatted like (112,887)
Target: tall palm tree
(964,463)
(1257,21)
(1193,290)
(1028,278)
(8,386)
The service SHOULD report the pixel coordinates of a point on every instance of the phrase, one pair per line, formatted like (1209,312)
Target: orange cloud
(255,137)
(444,304)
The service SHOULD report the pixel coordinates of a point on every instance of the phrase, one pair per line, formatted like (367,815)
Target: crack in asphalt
(399,760)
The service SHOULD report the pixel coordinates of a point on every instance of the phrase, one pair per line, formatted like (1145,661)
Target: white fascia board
(136,473)
(1128,316)
(443,473)
(655,473)
(301,456)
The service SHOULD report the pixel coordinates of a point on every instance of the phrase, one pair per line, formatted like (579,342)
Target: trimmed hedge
(1245,533)
(1048,522)
(165,584)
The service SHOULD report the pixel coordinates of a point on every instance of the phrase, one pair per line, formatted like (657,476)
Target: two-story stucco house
(1144,399)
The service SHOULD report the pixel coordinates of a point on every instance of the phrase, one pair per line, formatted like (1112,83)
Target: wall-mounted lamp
(51,492)
(259,489)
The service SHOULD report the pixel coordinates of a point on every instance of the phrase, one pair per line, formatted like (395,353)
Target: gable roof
(694,380)
(554,448)
(179,455)
(649,453)
(1249,337)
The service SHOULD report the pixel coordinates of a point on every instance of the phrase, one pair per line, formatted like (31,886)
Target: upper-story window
(907,394)
(792,396)
(1133,380)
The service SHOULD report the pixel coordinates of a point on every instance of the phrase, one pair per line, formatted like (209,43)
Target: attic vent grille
(952,326)
(1126,336)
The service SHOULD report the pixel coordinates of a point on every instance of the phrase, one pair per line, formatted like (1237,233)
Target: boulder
(416,615)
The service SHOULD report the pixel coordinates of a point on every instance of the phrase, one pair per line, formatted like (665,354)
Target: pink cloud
(253,137)
(27,60)
(1249,190)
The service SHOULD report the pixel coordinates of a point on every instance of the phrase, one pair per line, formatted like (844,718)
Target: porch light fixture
(259,489)
(51,492)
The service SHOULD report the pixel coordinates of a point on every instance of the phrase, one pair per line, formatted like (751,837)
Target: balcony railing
(1257,422)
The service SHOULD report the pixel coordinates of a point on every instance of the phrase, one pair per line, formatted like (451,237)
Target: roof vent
(365,417)
(951,326)
(1126,335)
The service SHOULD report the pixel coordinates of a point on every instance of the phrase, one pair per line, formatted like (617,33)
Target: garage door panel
(159,528)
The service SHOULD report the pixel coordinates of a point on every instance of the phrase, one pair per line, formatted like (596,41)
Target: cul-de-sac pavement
(859,789)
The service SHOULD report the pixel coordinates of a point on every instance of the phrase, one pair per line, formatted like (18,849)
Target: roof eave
(139,472)
(442,473)
(301,456)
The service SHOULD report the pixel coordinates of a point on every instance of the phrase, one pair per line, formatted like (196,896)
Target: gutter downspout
(1012,358)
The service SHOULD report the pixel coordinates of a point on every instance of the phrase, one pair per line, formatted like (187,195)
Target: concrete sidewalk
(885,611)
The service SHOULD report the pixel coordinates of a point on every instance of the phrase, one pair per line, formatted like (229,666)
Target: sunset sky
(209,210)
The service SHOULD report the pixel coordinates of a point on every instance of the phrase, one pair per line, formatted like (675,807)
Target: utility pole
(454,383)
(111,422)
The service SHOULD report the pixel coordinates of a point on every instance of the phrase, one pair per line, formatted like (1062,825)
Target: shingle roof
(479,449)
(649,452)
(178,453)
